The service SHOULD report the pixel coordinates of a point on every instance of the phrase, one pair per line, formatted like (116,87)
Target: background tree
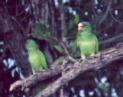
(52,24)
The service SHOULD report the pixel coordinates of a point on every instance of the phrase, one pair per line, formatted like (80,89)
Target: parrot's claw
(83,57)
(92,54)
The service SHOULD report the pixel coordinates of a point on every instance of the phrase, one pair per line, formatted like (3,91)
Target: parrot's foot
(83,57)
(92,54)
(33,72)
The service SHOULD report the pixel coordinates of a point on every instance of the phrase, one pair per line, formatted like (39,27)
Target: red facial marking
(80,27)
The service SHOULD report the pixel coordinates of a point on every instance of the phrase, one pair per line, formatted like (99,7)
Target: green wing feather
(96,44)
(42,60)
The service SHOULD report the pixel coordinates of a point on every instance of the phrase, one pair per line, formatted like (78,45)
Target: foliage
(46,20)
(39,30)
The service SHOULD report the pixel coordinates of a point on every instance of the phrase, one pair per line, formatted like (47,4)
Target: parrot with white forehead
(86,41)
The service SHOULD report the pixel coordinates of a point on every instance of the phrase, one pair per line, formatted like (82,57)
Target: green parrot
(86,41)
(35,56)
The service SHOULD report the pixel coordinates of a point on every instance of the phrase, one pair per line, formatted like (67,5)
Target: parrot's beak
(80,28)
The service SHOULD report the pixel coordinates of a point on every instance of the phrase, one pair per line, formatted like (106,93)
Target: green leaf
(105,87)
(76,19)
(41,31)
(58,61)
(58,48)
(73,49)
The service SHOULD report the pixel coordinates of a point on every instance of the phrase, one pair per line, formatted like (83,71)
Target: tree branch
(95,63)
(14,39)
(71,71)
(33,79)
(106,12)
(113,40)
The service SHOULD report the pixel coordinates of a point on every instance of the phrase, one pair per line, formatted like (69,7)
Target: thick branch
(75,68)
(17,48)
(14,40)
(38,77)
(95,63)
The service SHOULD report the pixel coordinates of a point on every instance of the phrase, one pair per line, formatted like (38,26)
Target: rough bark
(14,40)
(73,69)
(95,63)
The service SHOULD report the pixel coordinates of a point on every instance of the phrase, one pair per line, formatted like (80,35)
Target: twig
(106,12)
(115,39)
(115,19)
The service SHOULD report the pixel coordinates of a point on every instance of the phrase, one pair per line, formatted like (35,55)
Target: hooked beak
(80,28)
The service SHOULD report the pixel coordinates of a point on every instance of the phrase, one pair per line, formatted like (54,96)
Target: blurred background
(51,22)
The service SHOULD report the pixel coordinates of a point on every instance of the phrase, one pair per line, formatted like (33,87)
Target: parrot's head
(83,26)
(31,44)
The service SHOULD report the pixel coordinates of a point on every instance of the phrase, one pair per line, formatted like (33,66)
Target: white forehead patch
(80,24)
